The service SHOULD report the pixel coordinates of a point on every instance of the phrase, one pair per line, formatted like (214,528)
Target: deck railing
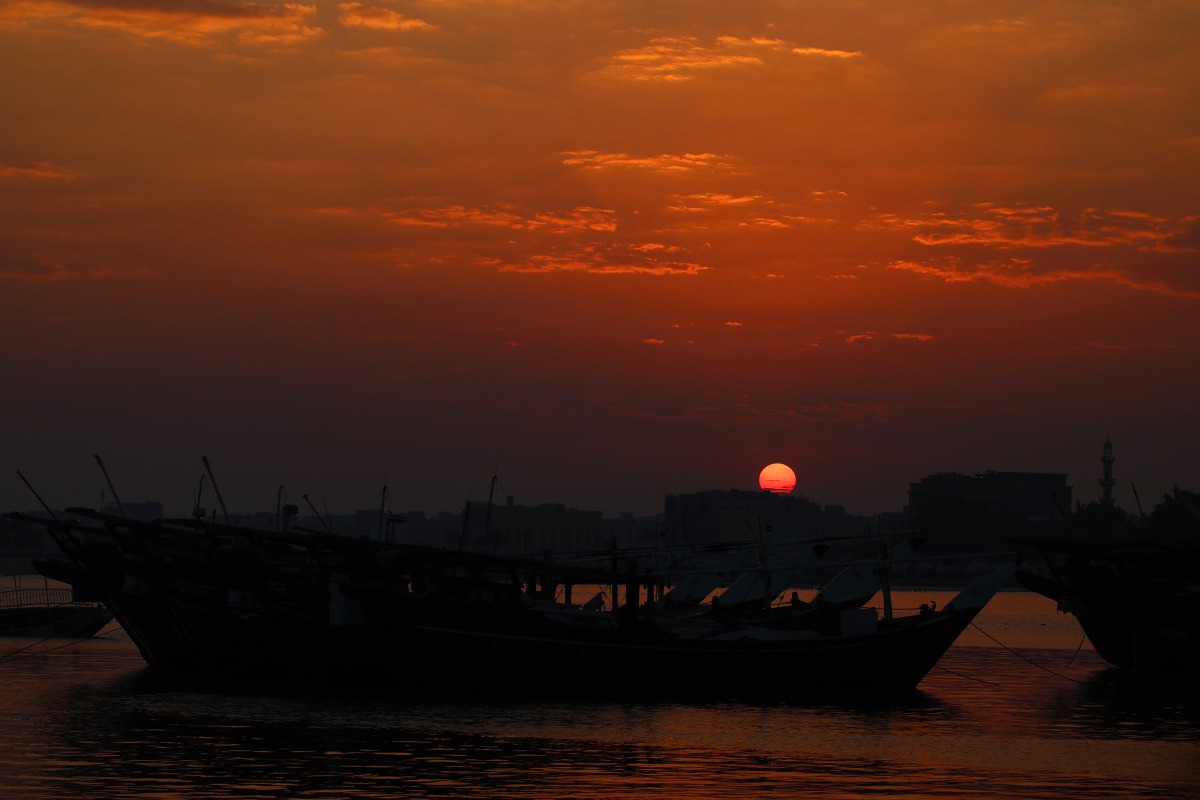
(40,596)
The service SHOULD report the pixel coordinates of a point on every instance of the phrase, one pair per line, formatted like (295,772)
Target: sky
(605,251)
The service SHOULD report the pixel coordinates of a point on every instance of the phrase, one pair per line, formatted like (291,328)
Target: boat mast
(38,496)
(198,509)
(382,509)
(885,581)
(487,515)
(213,480)
(319,517)
(111,488)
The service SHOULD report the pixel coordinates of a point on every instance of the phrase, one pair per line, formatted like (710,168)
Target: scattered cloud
(1023,274)
(685,58)
(576,219)
(42,270)
(825,53)
(677,58)
(194,22)
(1044,226)
(31,269)
(667,162)
(361,15)
(601,261)
(37,170)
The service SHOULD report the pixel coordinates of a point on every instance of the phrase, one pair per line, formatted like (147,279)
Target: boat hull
(1137,604)
(253,610)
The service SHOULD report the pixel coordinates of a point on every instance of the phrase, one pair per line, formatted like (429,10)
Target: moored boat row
(230,605)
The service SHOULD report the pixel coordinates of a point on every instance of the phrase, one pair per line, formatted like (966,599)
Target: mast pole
(213,481)
(38,496)
(108,480)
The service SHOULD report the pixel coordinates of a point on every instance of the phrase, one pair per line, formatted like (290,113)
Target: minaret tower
(1107,482)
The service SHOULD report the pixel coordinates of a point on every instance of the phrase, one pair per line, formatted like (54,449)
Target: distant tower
(1107,482)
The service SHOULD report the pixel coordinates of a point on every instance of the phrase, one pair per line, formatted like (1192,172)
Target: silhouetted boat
(1133,584)
(243,607)
(1138,602)
(47,612)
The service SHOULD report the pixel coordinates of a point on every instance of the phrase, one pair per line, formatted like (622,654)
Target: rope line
(1077,649)
(1026,658)
(964,675)
(20,652)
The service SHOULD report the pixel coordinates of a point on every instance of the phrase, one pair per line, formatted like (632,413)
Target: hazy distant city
(970,511)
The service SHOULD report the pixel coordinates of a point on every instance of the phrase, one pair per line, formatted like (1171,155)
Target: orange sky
(612,249)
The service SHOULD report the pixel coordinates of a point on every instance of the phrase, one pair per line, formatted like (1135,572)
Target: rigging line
(1026,658)
(964,675)
(1077,649)
(18,655)
(104,633)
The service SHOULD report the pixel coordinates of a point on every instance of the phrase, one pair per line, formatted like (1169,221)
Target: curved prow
(978,592)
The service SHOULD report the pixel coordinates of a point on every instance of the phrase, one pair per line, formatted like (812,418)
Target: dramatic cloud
(604,261)
(1023,274)
(686,162)
(576,219)
(1043,227)
(361,15)
(195,22)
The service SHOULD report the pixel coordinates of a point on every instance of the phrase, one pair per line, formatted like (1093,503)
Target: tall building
(1015,495)
(1107,482)
(734,515)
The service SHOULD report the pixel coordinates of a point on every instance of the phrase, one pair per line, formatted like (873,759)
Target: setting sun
(777,478)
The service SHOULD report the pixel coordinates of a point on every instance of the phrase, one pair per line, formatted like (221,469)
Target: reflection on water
(1037,719)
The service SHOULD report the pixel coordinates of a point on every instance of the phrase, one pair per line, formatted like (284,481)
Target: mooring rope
(964,675)
(20,652)
(1077,649)
(1026,658)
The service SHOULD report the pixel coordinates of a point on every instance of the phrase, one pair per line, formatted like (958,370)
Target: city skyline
(208,496)
(607,252)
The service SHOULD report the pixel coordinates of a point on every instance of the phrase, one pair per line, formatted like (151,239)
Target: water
(1019,709)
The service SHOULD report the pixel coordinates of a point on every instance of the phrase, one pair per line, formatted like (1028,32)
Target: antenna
(111,488)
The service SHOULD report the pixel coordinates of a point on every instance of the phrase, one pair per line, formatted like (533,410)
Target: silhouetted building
(1107,482)
(511,528)
(734,515)
(1007,495)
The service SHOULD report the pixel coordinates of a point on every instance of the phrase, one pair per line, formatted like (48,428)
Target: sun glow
(777,478)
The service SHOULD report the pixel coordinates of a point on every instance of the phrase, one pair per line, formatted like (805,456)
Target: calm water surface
(1018,709)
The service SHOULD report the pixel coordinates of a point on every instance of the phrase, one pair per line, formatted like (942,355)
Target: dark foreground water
(1026,713)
